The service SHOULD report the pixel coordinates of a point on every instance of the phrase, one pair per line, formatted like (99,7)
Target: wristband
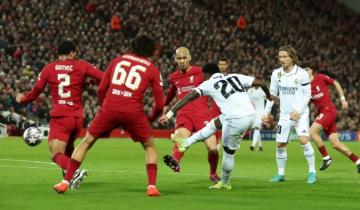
(342,98)
(170,114)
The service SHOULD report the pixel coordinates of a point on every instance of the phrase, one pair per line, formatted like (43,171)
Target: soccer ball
(32,136)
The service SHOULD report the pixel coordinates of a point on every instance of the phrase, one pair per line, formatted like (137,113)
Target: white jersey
(229,93)
(257,97)
(293,89)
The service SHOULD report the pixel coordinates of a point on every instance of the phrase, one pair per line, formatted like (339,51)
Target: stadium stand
(247,32)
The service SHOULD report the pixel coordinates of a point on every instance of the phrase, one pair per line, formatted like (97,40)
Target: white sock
(202,134)
(227,167)
(259,139)
(256,137)
(281,157)
(310,157)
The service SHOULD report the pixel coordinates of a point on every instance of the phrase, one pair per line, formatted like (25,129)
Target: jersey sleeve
(105,84)
(94,72)
(171,94)
(158,94)
(306,91)
(38,87)
(246,80)
(204,88)
(328,80)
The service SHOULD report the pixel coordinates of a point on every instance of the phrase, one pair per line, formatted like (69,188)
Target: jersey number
(235,84)
(64,82)
(131,80)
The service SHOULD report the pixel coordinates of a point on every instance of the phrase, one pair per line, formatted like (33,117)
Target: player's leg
(183,129)
(102,123)
(342,148)
(259,141)
(314,134)
(58,139)
(151,166)
(204,133)
(206,128)
(323,121)
(75,162)
(232,132)
(139,130)
(282,138)
(213,157)
(302,129)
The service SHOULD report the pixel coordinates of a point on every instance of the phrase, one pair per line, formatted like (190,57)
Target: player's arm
(187,99)
(264,87)
(340,91)
(104,84)
(274,86)
(170,96)
(94,72)
(36,90)
(306,91)
(158,94)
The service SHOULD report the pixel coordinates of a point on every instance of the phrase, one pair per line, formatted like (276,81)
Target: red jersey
(65,78)
(183,83)
(320,94)
(125,81)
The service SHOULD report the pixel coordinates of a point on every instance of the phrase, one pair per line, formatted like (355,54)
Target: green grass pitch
(117,180)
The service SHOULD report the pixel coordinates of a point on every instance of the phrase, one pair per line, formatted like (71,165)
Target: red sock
(72,167)
(353,157)
(323,151)
(213,159)
(61,160)
(151,170)
(176,154)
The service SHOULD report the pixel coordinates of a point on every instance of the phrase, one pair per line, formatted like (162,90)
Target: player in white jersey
(258,98)
(229,93)
(292,84)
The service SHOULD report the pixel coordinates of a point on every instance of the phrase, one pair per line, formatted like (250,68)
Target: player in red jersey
(65,77)
(326,116)
(193,116)
(121,94)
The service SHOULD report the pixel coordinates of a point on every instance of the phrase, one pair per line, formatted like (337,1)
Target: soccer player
(192,117)
(326,116)
(229,92)
(65,77)
(258,98)
(292,84)
(121,94)
(224,68)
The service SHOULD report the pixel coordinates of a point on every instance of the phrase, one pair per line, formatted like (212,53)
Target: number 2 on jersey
(131,80)
(64,82)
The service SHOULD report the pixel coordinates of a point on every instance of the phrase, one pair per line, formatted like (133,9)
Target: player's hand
(163,120)
(19,97)
(275,99)
(265,119)
(165,109)
(294,116)
(344,104)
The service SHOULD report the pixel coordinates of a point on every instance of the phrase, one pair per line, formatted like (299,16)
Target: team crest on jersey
(191,79)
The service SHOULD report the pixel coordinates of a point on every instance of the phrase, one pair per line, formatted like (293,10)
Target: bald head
(182,58)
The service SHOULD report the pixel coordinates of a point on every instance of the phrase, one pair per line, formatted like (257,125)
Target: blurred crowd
(247,33)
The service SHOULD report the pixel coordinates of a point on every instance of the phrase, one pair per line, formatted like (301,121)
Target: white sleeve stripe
(199,91)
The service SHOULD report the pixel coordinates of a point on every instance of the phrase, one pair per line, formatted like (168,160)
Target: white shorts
(286,125)
(233,130)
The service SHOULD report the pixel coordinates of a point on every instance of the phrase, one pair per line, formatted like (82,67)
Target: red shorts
(65,129)
(136,124)
(327,119)
(192,122)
